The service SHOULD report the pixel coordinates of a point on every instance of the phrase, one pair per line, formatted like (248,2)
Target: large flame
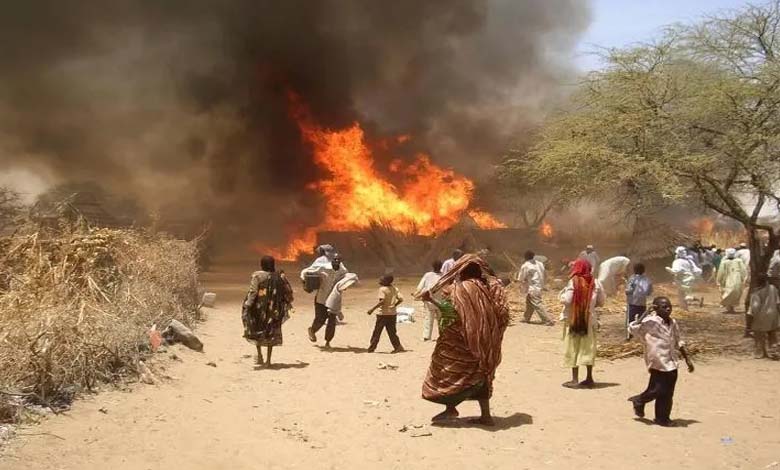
(432,199)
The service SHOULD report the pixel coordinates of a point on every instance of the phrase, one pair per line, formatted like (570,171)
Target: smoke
(182,103)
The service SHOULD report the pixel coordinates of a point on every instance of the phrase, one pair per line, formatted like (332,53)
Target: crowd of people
(466,302)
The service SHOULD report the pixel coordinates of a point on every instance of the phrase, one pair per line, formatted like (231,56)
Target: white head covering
(731,253)
(681,252)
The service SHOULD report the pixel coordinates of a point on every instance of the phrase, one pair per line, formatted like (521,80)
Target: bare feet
(571,384)
(312,336)
(327,345)
(449,413)
(587,383)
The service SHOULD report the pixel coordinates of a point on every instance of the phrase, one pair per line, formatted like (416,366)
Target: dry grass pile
(705,329)
(724,238)
(76,307)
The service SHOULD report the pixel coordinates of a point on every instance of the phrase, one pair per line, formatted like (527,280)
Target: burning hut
(383,217)
(74,202)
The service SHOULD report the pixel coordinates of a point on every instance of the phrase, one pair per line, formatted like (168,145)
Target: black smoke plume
(182,103)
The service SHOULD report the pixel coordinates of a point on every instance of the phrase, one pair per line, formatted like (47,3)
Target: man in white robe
(591,256)
(685,273)
(732,275)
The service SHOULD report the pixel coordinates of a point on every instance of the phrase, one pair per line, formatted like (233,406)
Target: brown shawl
(469,351)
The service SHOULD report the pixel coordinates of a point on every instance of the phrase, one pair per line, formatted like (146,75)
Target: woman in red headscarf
(580,297)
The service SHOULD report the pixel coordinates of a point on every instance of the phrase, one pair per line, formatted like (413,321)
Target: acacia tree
(520,193)
(691,118)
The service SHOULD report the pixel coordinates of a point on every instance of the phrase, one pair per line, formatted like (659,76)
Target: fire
(485,220)
(299,245)
(431,199)
(546,230)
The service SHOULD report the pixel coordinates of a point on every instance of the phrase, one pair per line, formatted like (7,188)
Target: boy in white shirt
(661,337)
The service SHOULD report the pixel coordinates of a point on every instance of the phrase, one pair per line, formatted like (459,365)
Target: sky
(618,23)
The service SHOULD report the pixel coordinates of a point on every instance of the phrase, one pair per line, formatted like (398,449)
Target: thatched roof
(75,201)
(653,239)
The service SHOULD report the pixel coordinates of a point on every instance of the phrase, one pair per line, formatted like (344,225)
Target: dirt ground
(337,409)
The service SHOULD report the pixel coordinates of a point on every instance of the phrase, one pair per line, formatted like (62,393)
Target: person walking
(732,275)
(386,319)
(531,278)
(685,273)
(764,316)
(330,274)
(662,341)
(590,255)
(581,296)
(638,289)
(266,307)
(432,313)
(468,352)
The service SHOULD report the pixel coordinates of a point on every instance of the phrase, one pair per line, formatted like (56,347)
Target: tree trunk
(760,255)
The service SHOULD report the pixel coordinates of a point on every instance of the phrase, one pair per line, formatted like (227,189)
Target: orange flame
(546,230)
(485,220)
(432,199)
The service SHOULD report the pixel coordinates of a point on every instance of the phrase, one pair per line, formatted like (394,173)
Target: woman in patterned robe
(468,351)
(266,307)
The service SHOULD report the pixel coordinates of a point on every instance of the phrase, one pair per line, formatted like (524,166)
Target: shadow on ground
(677,423)
(595,386)
(501,422)
(281,366)
(348,349)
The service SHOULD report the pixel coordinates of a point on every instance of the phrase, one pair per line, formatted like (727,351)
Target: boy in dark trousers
(661,337)
(389,299)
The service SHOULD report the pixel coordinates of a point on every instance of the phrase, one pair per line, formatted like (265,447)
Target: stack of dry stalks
(76,306)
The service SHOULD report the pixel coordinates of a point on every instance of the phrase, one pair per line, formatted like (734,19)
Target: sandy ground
(336,409)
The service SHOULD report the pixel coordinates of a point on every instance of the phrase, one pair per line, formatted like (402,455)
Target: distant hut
(85,202)
(652,239)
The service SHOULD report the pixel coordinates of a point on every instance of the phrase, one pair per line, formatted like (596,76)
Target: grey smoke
(182,102)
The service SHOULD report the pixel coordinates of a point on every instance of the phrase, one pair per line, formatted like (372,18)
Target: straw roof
(653,239)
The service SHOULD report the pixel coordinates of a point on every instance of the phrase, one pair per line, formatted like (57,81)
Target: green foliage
(523,195)
(691,118)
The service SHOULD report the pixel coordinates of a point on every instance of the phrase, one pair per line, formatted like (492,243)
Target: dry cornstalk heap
(76,306)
